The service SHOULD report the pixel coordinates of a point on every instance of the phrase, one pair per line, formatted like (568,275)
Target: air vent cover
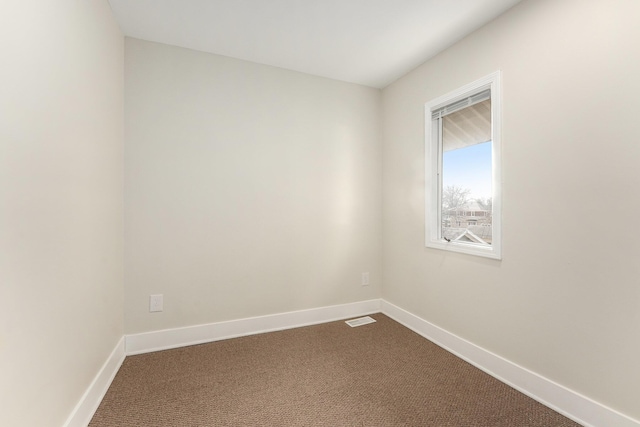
(360,321)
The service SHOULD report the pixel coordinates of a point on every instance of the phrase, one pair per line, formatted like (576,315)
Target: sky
(469,167)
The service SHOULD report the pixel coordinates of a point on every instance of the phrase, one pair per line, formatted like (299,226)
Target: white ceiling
(370,42)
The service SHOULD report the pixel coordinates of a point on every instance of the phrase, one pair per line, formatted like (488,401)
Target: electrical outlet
(155,303)
(365,279)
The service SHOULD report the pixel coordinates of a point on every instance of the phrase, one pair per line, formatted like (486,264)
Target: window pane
(467,174)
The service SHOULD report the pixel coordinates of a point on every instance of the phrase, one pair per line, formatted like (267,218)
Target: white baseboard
(88,404)
(180,337)
(573,405)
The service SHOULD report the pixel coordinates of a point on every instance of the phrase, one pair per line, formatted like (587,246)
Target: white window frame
(433,170)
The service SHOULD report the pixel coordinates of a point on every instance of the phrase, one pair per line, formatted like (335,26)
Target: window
(463,169)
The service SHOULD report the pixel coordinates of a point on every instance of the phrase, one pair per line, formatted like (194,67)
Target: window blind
(459,105)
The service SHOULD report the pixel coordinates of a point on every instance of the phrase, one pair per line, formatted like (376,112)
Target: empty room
(196,196)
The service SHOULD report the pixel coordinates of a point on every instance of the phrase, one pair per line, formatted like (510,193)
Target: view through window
(466,175)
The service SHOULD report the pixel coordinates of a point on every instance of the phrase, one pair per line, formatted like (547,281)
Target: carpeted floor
(381,374)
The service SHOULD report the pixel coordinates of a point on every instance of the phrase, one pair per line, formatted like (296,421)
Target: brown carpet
(381,374)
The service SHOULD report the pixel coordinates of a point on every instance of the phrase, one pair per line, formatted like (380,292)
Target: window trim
(433,164)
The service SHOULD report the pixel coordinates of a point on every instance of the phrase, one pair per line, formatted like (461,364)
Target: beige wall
(61,204)
(249,189)
(565,300)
